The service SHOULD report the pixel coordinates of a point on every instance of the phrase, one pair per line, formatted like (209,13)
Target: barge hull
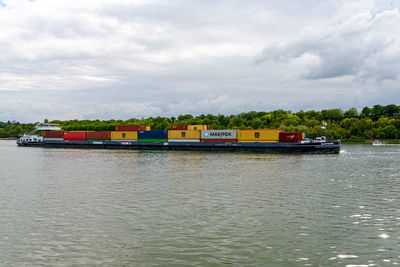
(317,148)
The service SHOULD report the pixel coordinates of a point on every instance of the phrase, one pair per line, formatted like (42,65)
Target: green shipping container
(152,140)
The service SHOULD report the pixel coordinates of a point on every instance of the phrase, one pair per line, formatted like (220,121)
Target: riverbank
(9,138)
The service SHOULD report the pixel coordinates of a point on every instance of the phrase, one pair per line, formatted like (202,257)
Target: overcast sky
(103,59)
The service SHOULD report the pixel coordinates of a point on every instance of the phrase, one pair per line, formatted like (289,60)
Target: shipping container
(152,135)
(180,127)
(218,134)
(152,140)
(148,128)
(197,127)
(130,128)
(128,135)
(291,136)
(100,135)
(184,140)
(218,140)
(175,134)
(258,135)
(53,134)
(75,136)
(54,139)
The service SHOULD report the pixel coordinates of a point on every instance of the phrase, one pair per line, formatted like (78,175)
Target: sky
(121,59)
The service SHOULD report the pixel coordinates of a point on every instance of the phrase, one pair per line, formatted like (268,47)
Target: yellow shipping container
(197,127)
(148,128)
(116,135)
(270,135)
(176,134)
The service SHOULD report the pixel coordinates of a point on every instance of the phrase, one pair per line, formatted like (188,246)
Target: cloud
(137,58)
(362,46)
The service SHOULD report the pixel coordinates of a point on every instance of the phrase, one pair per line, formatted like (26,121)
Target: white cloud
(358,46)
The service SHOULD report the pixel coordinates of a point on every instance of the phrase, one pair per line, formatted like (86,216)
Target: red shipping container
(180,127)
(290,137)
(130,128)
(208,127)
(53,134)
(219,140)
(75,136)
(101,135)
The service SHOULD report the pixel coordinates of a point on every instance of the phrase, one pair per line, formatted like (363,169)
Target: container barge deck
(311,147)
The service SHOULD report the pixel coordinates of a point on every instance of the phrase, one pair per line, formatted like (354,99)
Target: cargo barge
(312,147)
(196,138)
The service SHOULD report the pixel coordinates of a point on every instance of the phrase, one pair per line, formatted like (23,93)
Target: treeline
(15,129)
(382,122)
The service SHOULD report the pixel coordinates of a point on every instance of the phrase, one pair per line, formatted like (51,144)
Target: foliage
(381,122)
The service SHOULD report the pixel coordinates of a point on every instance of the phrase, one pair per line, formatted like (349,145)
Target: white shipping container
(184,140)
(218,134)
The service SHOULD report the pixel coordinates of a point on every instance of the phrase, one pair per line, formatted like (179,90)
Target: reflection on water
(112,208)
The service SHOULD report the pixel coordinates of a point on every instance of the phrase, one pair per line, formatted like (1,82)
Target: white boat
(378,143)
(30,139)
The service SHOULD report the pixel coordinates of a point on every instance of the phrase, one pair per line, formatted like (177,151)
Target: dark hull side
(320,148)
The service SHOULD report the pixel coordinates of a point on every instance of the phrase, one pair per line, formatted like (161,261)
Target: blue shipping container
(152,135)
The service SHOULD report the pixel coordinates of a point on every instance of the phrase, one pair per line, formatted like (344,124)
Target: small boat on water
(378,143)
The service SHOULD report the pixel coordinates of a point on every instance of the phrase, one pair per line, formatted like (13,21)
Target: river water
(72,207)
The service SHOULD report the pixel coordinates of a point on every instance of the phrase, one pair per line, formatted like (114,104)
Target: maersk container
(180,127)
(218,134)
(152,135)
(100,135)
(184,140)
(291,136)
(130,128)
(261,135)
(53,134)
(198,127)
(128,135)
(75,136)
(176,134)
